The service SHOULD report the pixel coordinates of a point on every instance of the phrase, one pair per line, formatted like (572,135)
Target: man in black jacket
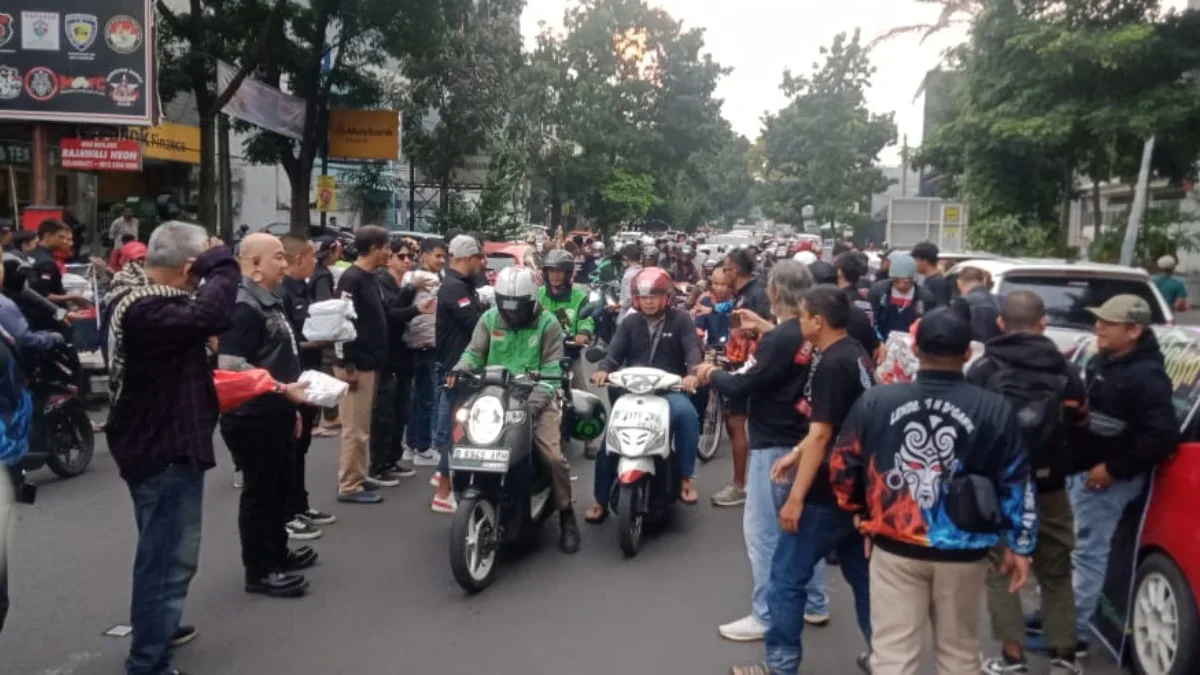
(1127,383)
(1048,393)
(899,300)
(262,432)
(458,310)
(360,361)
(925,255)
(302,260)
(976,304)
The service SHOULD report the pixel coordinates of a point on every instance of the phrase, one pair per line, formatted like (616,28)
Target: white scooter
(639,438)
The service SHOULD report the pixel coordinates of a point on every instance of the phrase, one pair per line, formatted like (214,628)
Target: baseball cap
(1124,308)
(942,332)
(464,246)
(903,266)
(1167,262)
(134,250)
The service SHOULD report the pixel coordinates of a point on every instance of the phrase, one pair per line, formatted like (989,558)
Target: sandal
(324,432)
(688,495)
(595,514)
(760,668)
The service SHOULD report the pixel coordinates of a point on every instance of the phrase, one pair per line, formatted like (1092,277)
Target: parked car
(1149,615)
(504,254)
(1068,289)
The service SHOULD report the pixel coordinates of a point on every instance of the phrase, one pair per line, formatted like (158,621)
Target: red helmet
(650,281)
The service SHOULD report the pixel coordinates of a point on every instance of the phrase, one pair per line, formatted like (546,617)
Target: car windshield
(1067,298)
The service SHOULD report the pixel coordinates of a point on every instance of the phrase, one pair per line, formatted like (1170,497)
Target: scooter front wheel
(72,441)
(474,544)
(710,428)
(630,520)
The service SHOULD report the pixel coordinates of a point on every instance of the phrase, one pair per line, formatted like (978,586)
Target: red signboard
(98,154)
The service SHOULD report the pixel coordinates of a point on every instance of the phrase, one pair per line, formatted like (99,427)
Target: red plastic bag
(236,387)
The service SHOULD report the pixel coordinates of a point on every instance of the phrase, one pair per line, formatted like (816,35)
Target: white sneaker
(425,458)
(237,479)
(745,629)
(816,619)
(447,505)
(407,455)
(436,479)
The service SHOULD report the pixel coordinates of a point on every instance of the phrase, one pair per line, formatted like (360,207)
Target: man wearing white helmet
(1172,289)
(528,339)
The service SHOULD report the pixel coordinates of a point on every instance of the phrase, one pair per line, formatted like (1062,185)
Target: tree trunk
(1064,230)
(1097,217)
(555,205)
(301,216)
(206,209)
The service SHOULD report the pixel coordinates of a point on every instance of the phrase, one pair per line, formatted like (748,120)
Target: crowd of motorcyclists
(924,492)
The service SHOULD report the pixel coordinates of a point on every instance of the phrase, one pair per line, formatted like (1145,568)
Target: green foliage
(1054,90)
(1008,235)
(1163,232)
(820,150)
(626,197)
(496,213)
(368,190)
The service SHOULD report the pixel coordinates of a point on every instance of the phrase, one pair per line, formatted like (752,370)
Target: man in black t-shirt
(925,254)
(813,525)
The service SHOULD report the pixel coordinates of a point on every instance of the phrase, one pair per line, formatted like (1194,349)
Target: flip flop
(694,499)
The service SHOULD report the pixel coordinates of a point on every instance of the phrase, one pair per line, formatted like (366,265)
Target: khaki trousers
(547,437)
(355,411)
(907,593)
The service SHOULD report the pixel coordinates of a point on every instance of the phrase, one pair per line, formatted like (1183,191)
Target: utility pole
(904,167)
(1139,204)
(225,187)
(412,195)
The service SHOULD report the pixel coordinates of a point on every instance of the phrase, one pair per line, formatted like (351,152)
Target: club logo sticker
(10,83)
(41,83)
(81,30)
(39,31)
(78,84)
(7,26)
(123,34)
(124,87)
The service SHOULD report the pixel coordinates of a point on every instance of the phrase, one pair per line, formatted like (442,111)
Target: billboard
(89,61)
(100,154)
(364,134)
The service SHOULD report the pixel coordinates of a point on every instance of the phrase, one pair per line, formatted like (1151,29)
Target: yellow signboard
(169,141)
(326,193)
(364,134)
(952,213)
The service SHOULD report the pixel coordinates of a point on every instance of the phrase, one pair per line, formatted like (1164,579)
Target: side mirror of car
(595,354)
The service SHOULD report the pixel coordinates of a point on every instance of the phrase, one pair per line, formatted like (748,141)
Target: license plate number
(480,459)
(637,419)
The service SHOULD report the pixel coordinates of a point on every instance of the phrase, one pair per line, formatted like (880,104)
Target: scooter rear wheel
(474,544)
(630,521)
(71,439)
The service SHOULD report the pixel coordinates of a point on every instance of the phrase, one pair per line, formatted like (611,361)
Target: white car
(1069,289)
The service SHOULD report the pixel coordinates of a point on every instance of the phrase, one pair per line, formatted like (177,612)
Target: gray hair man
(773,382)
(160,427)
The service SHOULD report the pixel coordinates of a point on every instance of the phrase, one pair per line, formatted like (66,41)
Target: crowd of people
(930,496)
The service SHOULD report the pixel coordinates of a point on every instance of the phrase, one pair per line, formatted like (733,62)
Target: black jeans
(266,451)
(389,417)
(298,491)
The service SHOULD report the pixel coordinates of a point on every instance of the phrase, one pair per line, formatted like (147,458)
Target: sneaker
(237,480)
(301,529)
(425,458)
(184,635)
(436,479)
(402,469)
(383,478)
(319,517)
(864,662)
(407,455)
(816,619)
(1003,665)
(745,629)
(360,497)
(1065,667)
(730,495)
(447,505)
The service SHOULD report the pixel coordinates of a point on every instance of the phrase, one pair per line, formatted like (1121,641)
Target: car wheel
(1165,624)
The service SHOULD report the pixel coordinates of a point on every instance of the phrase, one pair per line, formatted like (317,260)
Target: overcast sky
(760,38)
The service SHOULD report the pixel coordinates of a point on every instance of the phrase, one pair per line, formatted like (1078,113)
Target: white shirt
(121,227)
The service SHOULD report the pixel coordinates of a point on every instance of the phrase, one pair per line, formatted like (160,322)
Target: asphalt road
(382,598)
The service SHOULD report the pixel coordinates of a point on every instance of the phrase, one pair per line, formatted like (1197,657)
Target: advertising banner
(262,105)
(99,154)
(364,134)
(326,193)
(89,61)
(1181,356)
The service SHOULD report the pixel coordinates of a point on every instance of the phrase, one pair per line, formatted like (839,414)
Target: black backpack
(1038,398)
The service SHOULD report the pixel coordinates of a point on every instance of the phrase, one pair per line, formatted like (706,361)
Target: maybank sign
(364,134)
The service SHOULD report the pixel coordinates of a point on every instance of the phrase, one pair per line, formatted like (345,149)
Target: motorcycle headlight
(485,420)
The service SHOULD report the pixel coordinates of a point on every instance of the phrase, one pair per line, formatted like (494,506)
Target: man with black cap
(936,472)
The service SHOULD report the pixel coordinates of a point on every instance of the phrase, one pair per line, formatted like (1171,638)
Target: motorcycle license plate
(637,419)
(480,459)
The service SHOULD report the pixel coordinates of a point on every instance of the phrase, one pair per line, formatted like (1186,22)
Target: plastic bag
(237,387)
(324,391)
(331,321)
(900,364)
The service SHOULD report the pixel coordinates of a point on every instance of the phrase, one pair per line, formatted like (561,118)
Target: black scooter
(602,309)
(503,484)
(62,437)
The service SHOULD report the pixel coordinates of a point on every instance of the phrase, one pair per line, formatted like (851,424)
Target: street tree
(821,148)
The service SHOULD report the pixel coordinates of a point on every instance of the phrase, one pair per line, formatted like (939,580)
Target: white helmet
(598,246)
(805,257)
(516,295)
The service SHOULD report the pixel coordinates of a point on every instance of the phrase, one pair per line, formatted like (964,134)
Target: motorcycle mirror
(595,354)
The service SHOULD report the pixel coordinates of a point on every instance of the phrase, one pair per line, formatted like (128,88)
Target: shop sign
(101,154)
(326,193)
(87,62)
(170,142)
(17,153)
(364,134)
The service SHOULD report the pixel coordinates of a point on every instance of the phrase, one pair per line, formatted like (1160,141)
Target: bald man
(261,434)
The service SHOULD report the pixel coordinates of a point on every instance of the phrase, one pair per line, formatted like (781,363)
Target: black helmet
(559,259)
